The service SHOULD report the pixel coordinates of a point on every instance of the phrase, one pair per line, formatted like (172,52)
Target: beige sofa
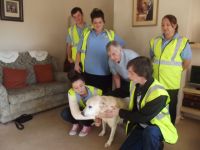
(35,97)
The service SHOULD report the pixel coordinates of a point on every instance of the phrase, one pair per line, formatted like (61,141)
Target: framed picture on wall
(12,10)
(145,12)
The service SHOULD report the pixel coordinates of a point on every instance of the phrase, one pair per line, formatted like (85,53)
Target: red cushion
(43,73)
(14,78)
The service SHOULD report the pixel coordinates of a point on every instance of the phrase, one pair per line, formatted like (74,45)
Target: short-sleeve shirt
(96,60)
(121,67)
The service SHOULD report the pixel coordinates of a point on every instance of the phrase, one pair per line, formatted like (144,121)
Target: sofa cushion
(43,73)
(14,78)
(55,88)
(36,91)
(31,92)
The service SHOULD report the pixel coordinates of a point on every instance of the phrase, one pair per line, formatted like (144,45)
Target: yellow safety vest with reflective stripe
(92,89)
(73,33)
(111,37)
(162,120)
(167,63)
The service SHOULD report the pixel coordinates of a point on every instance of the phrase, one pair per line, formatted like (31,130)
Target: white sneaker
(85,130)
(74,129)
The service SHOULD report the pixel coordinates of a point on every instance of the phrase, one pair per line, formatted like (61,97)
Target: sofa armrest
(61,77)
(3,99)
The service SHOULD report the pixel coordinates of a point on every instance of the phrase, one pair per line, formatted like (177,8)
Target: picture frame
(145,13)
(11,10)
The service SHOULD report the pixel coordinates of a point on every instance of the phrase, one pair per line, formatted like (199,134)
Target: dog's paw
(107,144)
(102,133)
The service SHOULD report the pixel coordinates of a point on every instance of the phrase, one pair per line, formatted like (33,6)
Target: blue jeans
(149,138)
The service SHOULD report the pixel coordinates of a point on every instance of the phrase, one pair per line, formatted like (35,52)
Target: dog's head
(98,104)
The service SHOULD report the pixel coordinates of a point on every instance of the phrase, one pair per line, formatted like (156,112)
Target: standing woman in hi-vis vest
(75,33)
(77,96)
(170,54)
(93,55)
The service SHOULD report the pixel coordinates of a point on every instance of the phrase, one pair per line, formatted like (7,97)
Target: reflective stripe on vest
(73,32)
(92,89)
(111,36)
(162,120)
(167,63)
(163,114)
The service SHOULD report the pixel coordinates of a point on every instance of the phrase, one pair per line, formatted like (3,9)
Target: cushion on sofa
(43,73)
(55,87)
(29,93)
(14,78)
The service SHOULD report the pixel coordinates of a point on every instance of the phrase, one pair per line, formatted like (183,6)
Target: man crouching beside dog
(149,122)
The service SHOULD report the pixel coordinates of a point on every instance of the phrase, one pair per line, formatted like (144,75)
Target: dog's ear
(102,102)
(108,103)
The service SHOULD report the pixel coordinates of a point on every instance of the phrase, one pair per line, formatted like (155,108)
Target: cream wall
(138,38)
(43,28)
(87,6)
(194,21)
(45,25)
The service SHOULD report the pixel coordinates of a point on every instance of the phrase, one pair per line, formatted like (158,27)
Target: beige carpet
(47,131)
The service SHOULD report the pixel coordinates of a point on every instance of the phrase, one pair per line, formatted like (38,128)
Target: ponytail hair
(75,76)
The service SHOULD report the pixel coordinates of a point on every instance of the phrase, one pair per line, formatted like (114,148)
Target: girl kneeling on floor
(77,96)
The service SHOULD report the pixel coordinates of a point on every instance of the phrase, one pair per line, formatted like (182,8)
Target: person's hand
(77,67)
(109,113)
(97,122)
(70,60)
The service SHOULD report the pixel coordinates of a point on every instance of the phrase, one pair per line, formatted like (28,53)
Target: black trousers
(173,94)
(121,92)
(67,116)
(102,82)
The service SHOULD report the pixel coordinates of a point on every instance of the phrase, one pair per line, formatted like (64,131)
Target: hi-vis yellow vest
(92,89)
(162,120)
(73,33)
(111,37)
(167,63)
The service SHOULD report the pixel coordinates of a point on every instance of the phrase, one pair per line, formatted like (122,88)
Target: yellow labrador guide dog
(99,104)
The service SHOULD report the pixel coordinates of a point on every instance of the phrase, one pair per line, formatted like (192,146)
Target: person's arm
(69,52)
(186,63)
(151,53)
(69,48)
(148,112)
(115,75)
(78,56)
(75,111)
(186,56)
(116,79)
(78,59)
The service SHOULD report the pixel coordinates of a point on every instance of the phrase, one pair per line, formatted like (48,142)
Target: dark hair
(97,13)
(112,43)
(172,19)
(142,66)
(75,76)
(75,10)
